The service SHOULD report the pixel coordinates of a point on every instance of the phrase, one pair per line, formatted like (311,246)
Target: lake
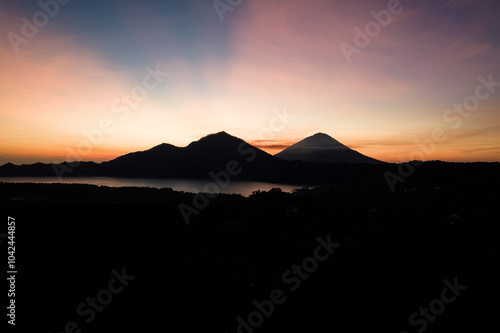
(244,188)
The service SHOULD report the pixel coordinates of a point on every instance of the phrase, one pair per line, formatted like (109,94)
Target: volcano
(210,153)
(322,148)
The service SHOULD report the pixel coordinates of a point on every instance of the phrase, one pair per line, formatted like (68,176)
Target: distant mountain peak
(163,146)
(219,137)
(221,133)
(320,134)
(319,141)
(322,148)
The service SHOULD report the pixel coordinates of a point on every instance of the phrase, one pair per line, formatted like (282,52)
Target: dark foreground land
(388,259)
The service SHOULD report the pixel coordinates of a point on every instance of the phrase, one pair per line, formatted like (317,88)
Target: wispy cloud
(463,50)
(272,145)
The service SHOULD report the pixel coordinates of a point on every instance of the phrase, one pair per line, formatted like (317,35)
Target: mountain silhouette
(214,157)
(323,148)
(211,153)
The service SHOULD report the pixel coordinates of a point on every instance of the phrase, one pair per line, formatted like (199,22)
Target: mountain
(211,153)
(323,148)
(48,170)
(217,157)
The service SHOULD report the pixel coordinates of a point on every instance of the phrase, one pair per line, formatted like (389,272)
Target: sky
(394,80)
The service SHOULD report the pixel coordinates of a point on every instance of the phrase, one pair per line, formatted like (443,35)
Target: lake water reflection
(244,188)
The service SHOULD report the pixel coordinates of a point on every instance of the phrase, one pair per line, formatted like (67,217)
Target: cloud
(482,132)
(476,150)
(463,50)
(271,144)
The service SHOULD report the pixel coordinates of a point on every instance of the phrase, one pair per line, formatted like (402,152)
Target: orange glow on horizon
(56,91)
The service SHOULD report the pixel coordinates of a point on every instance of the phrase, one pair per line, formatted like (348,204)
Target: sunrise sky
(266,57)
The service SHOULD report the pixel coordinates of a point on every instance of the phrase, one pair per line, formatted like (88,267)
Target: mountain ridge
(211,154)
